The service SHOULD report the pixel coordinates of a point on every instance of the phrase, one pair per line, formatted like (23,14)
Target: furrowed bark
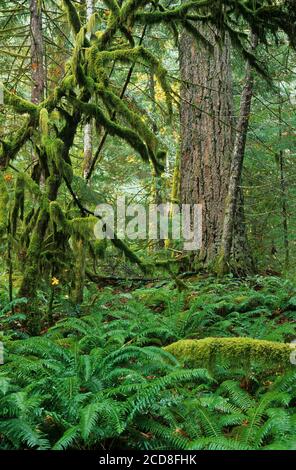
(233,197)
(206,132)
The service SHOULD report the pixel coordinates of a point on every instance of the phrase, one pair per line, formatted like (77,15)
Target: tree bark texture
(208,137)
(37,52)
(233,200)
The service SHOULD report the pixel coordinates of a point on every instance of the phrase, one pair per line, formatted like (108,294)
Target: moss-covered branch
(19,104)
(237,351)
(72,15)
(130,136)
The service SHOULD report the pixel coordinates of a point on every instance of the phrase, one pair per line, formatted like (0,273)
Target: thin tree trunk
(283,193)
(77,287)
(37,52)
(37,72)
(175,191)
(157,181)
(88,129)
(284,209)
(233,196)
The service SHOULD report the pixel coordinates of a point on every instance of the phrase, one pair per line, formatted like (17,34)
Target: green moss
(72,15)
(10,147)
(54,150)
(83,228)
(237,351)
(57,216)
(129,7)
(113,6)
(29,224)
(4,200)
(43,121)
(129,135)
(18,205)
(132,118)
(19,104)
(79,248)
(31,186)
(97,59)
(77,58)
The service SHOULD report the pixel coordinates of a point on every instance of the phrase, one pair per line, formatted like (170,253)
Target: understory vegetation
(106,378)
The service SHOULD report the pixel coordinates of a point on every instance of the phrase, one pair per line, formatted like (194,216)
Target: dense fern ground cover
(106,378)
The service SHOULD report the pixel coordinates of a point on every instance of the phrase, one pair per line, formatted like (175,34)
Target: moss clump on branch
(237,351)
(19,104)
(73,16)
(9,148)
(43,121)
(113,6)
(132,118)
(18,205)
(97,60)
(82,228)
(4,199)
(130,136)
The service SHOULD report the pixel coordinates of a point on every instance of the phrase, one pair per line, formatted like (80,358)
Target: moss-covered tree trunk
(88,129)
(79,249)
(32,262)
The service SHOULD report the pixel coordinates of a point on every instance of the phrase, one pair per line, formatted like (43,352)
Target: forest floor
(137,368)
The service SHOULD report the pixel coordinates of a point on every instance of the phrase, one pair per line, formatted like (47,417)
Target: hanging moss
(30,278)
(83,228)
(43,121)
(97,60)
(72,15)
(18,205)
(130,136)
(80,227)
(77,58)
(4,200)
(57,216)
(113,6)
(161,75)
(129,7)
(236,351)
(29,224)
(92,22)
(132,118)
(54,149)
(31,186)
(178,13)
(79,248)
(9,148)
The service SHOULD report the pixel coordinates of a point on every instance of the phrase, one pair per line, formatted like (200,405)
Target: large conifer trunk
(207,136)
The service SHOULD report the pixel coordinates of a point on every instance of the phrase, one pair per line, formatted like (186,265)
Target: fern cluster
(104,379)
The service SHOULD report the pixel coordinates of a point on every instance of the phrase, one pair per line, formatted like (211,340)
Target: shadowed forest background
(140,344)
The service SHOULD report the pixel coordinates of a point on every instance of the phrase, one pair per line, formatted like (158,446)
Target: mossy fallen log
(209,352)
